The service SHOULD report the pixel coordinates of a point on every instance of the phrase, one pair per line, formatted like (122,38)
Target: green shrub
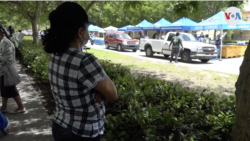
(232,41)
(153,109)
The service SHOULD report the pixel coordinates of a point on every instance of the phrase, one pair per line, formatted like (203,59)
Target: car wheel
(166,56)
(149,52)
(119,47)
(134,50)
(106,45)
(204,61)
(185,56)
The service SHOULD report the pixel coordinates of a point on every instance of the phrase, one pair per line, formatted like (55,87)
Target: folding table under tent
(217,22)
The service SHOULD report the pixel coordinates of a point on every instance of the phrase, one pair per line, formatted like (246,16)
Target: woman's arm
(5,32)
(93,76)
(6,52)
(107,89)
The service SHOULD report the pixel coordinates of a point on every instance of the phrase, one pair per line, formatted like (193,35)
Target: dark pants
(8,91)
(18,54)
(175,51)
(58,134)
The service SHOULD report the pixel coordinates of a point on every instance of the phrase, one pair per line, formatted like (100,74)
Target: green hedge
(153,109)
(231,41)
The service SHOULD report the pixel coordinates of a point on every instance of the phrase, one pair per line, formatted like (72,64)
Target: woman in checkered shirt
(78,82)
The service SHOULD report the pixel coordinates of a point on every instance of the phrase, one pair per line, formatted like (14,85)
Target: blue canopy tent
(217,22)
(94,28)
(182,24)
(125,28)
(144,25)
(161,23)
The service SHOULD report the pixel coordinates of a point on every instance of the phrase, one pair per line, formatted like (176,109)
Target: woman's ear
(79,33)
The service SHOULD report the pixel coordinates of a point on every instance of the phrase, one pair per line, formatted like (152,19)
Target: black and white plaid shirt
(73,77)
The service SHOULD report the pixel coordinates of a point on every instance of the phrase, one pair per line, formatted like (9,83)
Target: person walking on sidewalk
(7,49)
(79,83)
(176,42)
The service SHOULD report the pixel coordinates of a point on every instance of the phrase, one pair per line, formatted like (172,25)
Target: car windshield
(123,36)
(188,37)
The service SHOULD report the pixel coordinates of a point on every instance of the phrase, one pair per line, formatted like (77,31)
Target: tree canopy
(30,14)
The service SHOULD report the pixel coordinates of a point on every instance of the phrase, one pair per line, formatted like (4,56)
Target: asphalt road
(230,65)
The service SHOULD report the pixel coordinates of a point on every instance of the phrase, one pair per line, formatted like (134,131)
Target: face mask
(84,42)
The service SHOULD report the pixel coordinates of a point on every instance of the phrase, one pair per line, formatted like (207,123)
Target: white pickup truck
(192,48)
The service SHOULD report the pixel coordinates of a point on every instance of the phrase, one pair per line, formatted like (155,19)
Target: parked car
(192,48)
(120,41)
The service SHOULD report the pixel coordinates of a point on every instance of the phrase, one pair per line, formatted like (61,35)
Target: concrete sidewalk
(35,124)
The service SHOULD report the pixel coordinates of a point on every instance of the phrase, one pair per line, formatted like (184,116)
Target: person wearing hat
(141,35)
(176,42)
(79,83)
(154,36)
(201,38)
(7,50)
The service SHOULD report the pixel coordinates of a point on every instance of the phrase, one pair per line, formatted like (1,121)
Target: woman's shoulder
(77,56)
(6,41)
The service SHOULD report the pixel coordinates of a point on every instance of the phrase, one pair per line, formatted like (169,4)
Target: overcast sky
(247,7)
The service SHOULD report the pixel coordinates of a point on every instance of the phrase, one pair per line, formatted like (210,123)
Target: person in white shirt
(20,37)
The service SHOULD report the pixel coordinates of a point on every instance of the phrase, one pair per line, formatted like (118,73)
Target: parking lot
(230,65)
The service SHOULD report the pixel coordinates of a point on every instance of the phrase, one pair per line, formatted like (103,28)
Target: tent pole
(221,43)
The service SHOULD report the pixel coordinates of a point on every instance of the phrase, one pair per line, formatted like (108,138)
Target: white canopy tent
(102,31)
(110,28)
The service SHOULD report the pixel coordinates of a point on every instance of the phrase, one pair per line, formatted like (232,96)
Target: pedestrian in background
(206,39)
(195,35)
(13,36)
(201,38)
(218,42)
(7,50)
(176,42)
(20,37)
(154,36)
(14,39)
(141,35)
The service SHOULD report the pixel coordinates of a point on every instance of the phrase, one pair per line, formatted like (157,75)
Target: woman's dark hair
(3,31)
(64,24)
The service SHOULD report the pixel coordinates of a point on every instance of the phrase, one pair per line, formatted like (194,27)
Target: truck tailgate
(154,43)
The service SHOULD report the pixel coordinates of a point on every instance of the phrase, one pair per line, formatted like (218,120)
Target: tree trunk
(241,130)
(35,32)
(215,34)
(59,3)
(89,6)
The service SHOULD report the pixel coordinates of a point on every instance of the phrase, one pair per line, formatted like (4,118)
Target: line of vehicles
(192,48)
